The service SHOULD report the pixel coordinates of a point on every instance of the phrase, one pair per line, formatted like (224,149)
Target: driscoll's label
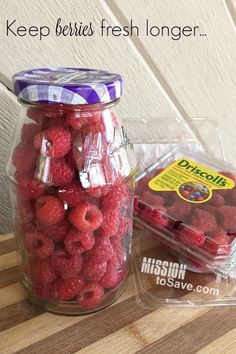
(191,181)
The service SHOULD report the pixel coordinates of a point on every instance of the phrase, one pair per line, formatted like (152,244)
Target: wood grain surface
(123,328)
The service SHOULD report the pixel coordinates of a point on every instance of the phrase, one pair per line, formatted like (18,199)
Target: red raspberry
(38,244)
(53,142)
(191,236)
(29,187)
(216,200)
(24,157)
(42,290)
(110,277)
(228,216)
(66,289)
(56,232)
(229,175)
(92,270)
(43,271)
(102,251)
(72,194)
(94,128)
(61,173)
(203,220)
(35,114)
(65,264)
(219,243)
(98,192)
(156,217)
(231,196)
(86,217)
(153,199)
(122,275)
(90,295)
(117,197)
(29,131)
(49,210)
(111,220)
(70,159)
(77,242)
(76,120)
(179,209)
(26,212)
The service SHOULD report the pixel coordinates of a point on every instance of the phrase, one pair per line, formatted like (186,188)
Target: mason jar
(71,173)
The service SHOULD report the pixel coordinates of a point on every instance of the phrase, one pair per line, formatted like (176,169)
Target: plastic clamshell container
(191,212)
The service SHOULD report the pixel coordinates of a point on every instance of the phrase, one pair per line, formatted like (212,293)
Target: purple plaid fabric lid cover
(67,86)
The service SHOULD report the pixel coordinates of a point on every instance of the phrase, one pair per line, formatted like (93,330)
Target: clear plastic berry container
(72,172)
(188,200)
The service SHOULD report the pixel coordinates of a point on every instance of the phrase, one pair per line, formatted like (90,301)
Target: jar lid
(67,86)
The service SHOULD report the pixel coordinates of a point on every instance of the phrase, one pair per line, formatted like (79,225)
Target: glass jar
(72,173)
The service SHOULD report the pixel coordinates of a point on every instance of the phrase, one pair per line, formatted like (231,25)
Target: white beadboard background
(192,77)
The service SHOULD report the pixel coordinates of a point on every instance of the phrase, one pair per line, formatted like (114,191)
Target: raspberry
(35,114)
(29,131)
(61,173)
(116,198)
(219,243)
(229,175)
(78,242)
(66,265)
(94,128)
(122,275)
(203,220)
(111,220)
(38,244)
(43,271)
(29,187)
(49,210)
(42,290)
(153,199)
(98,192)
(93,270)
(216,200)
(24,157)
(153,216)
(191,236)
(53,142)
(26,213)
(110,277)
(76,120)
(90,295)
(179,209)
(102,251)
(231,197)
(66,289)
(86,217)
(228,217)
(72,194)
(56,232)
(70,159)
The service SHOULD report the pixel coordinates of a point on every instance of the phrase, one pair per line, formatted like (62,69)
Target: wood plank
(11,294)
(196,334)
(201,71)
(7,246)
(8,260)
(222,345)
(6,237)
(141,333)
(9,276)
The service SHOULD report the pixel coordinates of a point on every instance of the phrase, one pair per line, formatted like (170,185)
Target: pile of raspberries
(210,226)
(74,238)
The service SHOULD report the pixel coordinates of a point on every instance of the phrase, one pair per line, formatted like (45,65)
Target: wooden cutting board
(122,328)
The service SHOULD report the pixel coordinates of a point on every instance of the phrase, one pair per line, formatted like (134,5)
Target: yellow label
(191,181)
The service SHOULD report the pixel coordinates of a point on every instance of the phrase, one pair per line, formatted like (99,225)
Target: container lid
(67,86)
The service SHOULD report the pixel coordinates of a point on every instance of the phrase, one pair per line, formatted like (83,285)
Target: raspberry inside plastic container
(72,174)
(192,220)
